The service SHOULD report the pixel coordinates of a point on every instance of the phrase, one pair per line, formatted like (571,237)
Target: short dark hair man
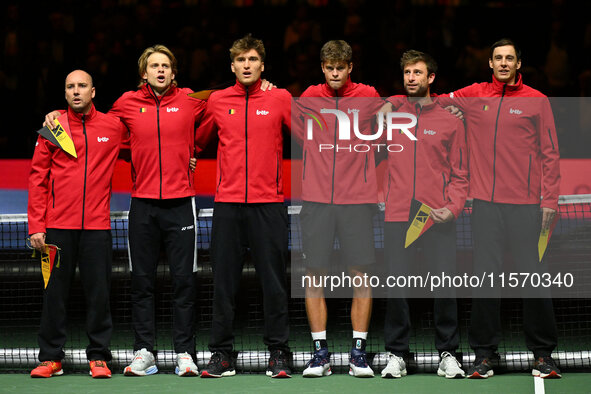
(339,193)
(514,160)
(69,206)
(249,207)
(433,171)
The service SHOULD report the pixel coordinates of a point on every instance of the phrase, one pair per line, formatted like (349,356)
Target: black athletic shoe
(481,369)
(278,365)
(545,367)
(219,365)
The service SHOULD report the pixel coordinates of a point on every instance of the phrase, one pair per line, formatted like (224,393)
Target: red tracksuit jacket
(249,124)
(433,169)
(514,154)
(75,193)
(161,136)
(338,176)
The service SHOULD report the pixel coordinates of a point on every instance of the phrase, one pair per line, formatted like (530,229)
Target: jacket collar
(78,116)
(342,92)
(255,87)
(498,85)
(149,91)
(427,107)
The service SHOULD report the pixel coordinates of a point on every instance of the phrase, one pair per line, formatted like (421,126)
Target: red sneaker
(47,369)
(99,369)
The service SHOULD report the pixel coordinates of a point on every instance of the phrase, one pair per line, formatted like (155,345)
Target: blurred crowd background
(44,40)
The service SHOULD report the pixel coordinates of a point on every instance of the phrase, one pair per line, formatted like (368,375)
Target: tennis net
(21,289)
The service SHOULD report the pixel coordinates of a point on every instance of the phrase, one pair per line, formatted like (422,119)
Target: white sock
(320,335)
(358,334)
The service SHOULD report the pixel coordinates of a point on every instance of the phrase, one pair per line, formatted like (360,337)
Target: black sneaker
(545,367)
(481,369)
(278,365)
(219,365)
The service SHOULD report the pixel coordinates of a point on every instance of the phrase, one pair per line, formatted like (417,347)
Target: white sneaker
(358,365)
(396,367)
(143,364)
(185,365)
(450,367)
(319,365)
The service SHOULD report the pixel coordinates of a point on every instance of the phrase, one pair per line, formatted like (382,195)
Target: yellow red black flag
(545,235)
(421,221)
(60,135)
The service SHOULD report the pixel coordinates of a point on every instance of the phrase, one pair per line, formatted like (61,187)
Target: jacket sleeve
(207,127)
(550,157)
(288,108)
(118,111)
(199,107)
(298,122)
(118,107)
(459,98)
(397,101)
(457,189)
(39,185)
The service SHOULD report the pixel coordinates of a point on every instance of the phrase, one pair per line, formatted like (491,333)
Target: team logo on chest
(262,112)
(515,111)
(172,109)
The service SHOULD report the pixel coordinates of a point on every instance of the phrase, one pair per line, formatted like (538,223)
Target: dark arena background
(42,41)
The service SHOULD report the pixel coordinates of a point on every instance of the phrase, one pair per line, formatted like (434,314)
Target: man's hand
(547,217)
(441,215)
(266,85)
(455,111)
(193,163)
(38,241)
(49,119)
(387,107)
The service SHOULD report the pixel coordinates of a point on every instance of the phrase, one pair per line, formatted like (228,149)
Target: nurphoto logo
(344,133)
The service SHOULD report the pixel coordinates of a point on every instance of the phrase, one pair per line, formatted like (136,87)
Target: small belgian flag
(545,235)
(60,135)
(50,258)
(421,221)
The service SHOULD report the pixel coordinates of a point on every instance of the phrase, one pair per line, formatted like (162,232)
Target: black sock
(319,344)
(359,343)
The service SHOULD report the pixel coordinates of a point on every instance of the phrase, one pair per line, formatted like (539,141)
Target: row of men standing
(69,206)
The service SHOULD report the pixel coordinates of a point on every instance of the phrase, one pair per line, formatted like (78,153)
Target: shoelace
(215,358)
(359,360)
(46,364)
(279,359)
(138,357)
(316,360)
(99,364)
(547,360)
(451,359)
